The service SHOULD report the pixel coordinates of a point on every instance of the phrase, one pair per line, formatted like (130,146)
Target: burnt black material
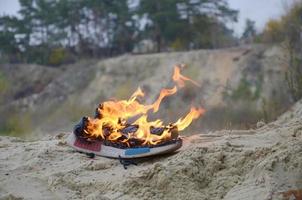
(124,141)
(157,131)
(126,162)
(174,132)
(79,128)
(90,155)
(129,129)
(135,142)
(98,114)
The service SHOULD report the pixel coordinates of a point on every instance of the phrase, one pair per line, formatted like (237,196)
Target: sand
(265,163)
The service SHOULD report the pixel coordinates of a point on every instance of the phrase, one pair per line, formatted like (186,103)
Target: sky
(259,11)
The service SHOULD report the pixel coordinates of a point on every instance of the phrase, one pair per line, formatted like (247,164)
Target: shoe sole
(98,148)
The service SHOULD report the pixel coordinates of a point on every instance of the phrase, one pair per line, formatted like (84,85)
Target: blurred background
(60,58)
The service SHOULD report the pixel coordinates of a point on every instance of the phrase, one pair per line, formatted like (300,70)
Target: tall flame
(194,113)
(114,117)
(137,93)
(163,93)
(180,79)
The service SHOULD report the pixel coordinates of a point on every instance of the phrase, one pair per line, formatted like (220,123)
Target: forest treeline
(53,32)
(287,32)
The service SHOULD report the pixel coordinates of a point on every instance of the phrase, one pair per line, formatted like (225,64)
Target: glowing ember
(112,122)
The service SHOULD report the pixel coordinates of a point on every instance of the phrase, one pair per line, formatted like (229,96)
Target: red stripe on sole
(88,145)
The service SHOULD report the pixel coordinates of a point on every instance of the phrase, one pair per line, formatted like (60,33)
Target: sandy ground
(234,165)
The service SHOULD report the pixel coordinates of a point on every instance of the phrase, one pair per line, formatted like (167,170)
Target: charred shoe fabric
(121,129)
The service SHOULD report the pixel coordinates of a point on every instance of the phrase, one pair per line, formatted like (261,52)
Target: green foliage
(245,106)
(85,27)
(273,31)
(73,111)
(4,87)
(294,78)
(244,91)
(287,28)
(3,84)
(271,108)
(241,115)
(250,30)
(178,44)
(89,28)
(288,31)
(184,23)
(68,112)
(293,23)
(57,56)
(124,91)
(8,43)
(15,125)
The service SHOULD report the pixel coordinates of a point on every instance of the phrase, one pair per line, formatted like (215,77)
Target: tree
(123,34)
(161,19)
(292,23)
(288,31)
(273,32)
(48,30)
(8,41)
(26,25)
(249,32)
(185,21)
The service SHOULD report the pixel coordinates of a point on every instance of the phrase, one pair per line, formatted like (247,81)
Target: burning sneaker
(133,148)
(121,128)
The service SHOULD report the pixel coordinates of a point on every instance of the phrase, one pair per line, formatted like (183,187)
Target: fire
(163,93)
(187,120)
(180,79)
(125,121)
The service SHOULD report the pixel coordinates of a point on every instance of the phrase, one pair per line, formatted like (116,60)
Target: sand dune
(264,163)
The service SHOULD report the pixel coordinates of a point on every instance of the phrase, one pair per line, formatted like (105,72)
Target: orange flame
(115,114)
(163,94)
(187,120)
(180,79)
(137,93)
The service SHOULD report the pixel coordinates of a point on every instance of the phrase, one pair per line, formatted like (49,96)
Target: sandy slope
(72,91)
(256,164)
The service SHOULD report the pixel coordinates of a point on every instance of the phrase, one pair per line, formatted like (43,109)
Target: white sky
(258,10)
(9,7)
